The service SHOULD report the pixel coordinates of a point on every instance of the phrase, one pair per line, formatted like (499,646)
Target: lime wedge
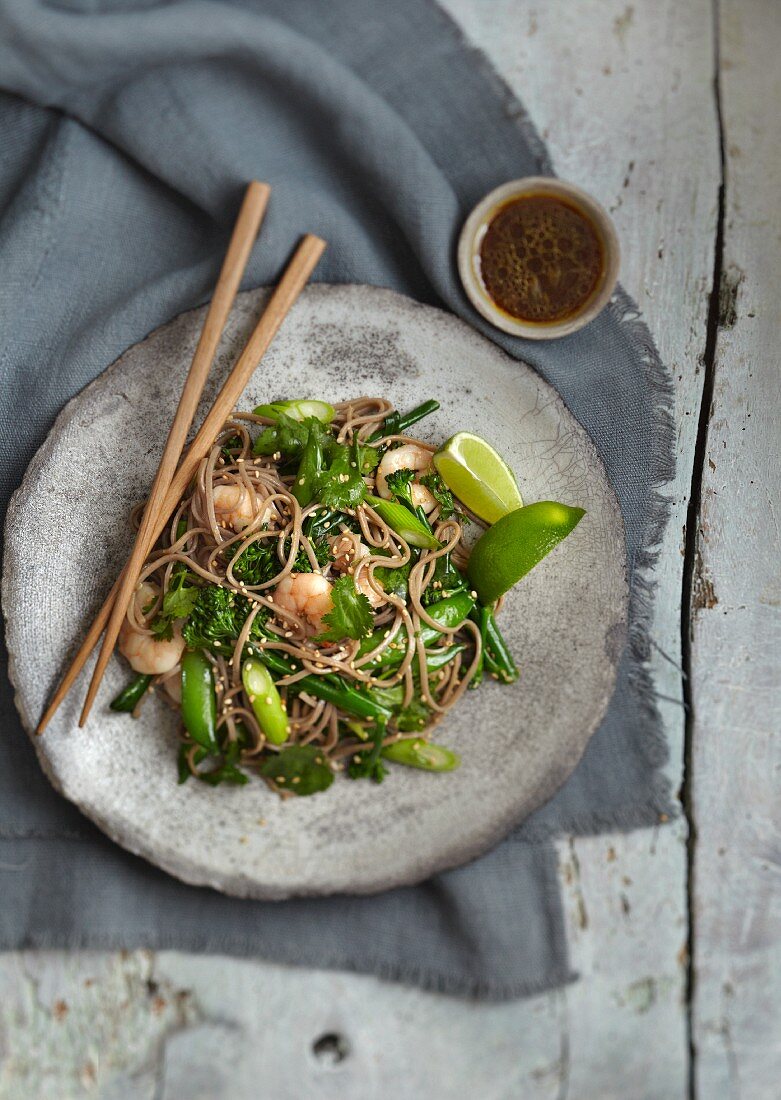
(478,476)
(298,410)
(515,544)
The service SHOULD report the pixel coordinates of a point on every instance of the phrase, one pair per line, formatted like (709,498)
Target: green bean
(449,612)
(480,616)
(397,423)
(309,468)
(417,753)
(130,696)
(498,653)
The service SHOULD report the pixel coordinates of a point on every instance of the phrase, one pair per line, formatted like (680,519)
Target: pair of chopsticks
(173,476)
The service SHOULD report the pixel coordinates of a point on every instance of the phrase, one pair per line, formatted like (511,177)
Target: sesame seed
(268,700)
(473,594)
(280,779)
(252,698)
(296,778)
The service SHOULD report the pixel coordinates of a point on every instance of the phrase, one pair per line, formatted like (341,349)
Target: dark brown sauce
(541,258)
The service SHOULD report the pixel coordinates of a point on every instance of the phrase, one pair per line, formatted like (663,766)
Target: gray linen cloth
(127,133)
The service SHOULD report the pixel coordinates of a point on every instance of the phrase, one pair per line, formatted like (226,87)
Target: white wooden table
(669,112)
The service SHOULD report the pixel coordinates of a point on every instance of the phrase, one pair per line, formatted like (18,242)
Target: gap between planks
(693,594)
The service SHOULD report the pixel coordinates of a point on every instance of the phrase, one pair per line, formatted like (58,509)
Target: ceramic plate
(68,534)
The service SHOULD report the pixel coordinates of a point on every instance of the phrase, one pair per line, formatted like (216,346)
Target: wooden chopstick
(245,231)
(290,286)
(235,263)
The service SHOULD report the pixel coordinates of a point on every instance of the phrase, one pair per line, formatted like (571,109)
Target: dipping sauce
(541,258)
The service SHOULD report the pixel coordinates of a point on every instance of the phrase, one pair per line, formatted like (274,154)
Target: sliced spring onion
(417,753)
(404,523)
(266,703)
(298,410)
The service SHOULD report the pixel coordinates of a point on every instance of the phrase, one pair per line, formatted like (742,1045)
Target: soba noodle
(199,540)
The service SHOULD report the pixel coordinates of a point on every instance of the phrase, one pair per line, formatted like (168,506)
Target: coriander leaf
(351,616)
(368,457)
(340,484)
(178,602)
(394,580)
(289,437)
(301,769)
(440,493)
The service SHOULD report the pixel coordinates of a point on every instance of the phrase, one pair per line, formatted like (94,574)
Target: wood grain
(622,93)
(293,281)
(736,609)
(240,246)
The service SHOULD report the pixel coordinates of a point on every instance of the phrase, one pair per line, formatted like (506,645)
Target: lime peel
(516,543)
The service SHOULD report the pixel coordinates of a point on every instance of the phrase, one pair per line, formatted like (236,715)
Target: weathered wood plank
(737,598)
(622,94)
(641,132)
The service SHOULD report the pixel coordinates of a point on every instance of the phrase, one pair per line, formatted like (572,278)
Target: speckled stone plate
(69,532)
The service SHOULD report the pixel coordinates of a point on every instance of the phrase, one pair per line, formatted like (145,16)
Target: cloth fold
(128,135)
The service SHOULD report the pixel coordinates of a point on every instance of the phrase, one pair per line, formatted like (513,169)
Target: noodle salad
(312,607)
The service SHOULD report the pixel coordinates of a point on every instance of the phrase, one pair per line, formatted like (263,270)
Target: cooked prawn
(147,654)
(306,595)
(348,550)
(235,506)
(407,457)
